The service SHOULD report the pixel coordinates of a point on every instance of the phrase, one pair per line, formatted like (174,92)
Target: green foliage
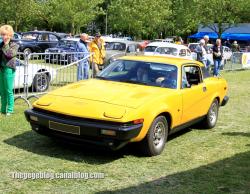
(140,18)
(224,12)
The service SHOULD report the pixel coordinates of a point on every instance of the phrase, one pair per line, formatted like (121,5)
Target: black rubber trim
(88,127)
(224,101)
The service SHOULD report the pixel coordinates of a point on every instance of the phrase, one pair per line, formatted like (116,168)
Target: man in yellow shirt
(97,48)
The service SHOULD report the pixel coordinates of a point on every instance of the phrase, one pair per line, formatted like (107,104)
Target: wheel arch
(168,117)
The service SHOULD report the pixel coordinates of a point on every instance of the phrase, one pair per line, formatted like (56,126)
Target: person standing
(217,56)
(97,48)
(83,66)
(235,49)
(201,52)
(8,52)
(208,50)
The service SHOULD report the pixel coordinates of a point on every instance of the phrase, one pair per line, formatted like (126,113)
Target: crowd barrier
(39,73)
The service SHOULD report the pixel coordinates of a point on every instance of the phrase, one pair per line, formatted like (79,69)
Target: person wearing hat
(83,65)
(97,48)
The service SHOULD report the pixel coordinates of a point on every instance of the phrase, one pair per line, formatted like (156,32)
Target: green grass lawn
(194,161)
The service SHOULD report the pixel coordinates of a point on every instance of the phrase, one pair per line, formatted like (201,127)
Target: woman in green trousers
(8,52)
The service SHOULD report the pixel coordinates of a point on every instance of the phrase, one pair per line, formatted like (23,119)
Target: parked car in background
(37,41)
(63,53)
(144,99)
(117,48)
(227,53)
(169,40)
(38,77)
(168,50)
(16,37)
(63,35)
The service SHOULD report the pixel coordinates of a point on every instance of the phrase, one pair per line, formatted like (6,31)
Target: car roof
(167,44)
(161,59)
(71,39)
(123,41)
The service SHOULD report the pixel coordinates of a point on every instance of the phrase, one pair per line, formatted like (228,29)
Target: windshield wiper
(100,77)
(133,82)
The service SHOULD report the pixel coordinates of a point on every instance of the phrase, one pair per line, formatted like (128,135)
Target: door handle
(204,89)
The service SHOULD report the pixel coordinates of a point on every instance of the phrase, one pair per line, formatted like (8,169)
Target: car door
(19,75)
(194,93)
(53,40)
(43,41)
(227,53)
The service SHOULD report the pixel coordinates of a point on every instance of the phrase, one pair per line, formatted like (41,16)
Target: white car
(168,49)
(38,76)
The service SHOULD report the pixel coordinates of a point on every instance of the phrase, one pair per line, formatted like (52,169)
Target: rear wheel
(154,142)
(41,82)
(212,115)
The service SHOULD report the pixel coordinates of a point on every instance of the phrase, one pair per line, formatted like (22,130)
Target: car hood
(117,93)
(99,99)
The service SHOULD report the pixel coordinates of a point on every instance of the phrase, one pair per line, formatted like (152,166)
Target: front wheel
(154,142)
(210,119)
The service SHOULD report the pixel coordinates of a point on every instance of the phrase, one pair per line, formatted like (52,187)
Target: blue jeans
(83,70)
(217,63)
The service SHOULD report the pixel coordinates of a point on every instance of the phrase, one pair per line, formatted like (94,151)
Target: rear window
(150,49)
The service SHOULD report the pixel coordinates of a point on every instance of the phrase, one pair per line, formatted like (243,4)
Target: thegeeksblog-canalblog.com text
(57,175)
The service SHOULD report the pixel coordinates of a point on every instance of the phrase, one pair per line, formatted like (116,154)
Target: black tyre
(40,82)
(154,142)
(211,118)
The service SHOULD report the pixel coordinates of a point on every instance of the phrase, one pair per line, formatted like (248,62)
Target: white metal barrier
(39,73)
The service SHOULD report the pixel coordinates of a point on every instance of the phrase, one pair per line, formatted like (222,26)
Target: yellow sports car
(134,99)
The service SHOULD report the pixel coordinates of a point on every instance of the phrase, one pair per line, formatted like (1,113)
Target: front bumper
(80,130)
(224,101)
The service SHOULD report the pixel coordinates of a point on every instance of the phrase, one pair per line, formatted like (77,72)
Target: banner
(246,60)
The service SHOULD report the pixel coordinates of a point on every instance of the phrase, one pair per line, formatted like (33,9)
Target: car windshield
(167,51)
(150,48)
(116,46)
(30,36)
(67,43)
(140,72)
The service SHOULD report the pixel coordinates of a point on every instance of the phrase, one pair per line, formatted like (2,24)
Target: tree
(140,18)
(15,11)
(219,15)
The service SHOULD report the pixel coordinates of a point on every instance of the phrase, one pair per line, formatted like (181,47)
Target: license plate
(72,129)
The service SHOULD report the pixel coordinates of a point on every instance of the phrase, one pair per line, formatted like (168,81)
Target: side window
(131,49)
(205,73)
(52,37)
(43,37)
(183,52)
(191,75)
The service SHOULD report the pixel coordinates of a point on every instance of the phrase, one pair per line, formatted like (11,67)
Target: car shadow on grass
(230,175)
(42,145)
(237,134)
